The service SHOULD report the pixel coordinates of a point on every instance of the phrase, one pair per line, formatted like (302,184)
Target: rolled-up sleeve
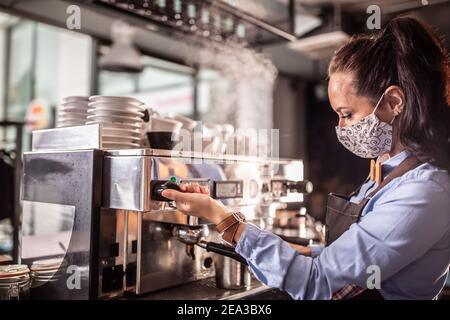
(269,257)
(316,249)
(403,225)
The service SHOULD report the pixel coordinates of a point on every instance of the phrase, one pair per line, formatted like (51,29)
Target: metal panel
(163,261)
(73,138)
(69,179)
(126,183)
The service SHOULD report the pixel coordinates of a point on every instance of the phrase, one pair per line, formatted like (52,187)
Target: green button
(173,179)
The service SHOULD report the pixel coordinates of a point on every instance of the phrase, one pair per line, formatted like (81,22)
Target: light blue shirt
(404,230)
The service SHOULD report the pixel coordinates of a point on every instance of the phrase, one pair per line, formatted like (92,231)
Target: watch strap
(226,223)
(230,233)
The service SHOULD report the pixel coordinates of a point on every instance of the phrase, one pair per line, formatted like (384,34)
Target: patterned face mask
(369,137)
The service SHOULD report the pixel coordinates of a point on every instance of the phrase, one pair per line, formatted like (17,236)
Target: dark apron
(341,214)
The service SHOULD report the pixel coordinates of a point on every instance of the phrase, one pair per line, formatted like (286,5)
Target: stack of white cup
(120,119)
(72,111)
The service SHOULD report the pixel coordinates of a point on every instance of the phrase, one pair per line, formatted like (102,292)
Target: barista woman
(391,93)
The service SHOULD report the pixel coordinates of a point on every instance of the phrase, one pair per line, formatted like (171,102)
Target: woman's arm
(194,200)
(404,225)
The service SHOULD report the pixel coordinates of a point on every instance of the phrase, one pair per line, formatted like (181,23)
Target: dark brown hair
(408,54)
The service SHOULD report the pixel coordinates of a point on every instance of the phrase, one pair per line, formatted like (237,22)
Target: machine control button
(281,188)
(304,186)
(114,250)
(112,278)
(130,274)
(158,186)
(278,188)
(208,262)
(134,246)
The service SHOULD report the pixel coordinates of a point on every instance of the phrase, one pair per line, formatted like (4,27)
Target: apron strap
(406,165)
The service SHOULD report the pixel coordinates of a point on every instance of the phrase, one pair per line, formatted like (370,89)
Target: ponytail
(409,55)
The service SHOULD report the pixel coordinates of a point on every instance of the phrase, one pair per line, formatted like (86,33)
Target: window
(20,72)
(163,86)
(44,63)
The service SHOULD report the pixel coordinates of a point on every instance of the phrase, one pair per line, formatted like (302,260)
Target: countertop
(206,290)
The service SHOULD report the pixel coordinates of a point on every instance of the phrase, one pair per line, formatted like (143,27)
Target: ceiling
(354,16)
(277,11)
(289,62)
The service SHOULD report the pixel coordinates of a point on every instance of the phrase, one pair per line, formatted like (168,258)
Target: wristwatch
(228,227)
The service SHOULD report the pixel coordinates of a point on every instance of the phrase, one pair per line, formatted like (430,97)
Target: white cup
(187,123)
(212,130)
(227,133)
(212,145)
(158,124)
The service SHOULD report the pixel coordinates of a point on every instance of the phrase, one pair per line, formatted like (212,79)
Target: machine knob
(157,187)
(300,186)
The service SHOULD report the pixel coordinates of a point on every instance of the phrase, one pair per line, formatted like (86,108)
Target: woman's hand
(194,200)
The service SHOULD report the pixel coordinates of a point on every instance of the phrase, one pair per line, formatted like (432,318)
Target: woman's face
(350,106)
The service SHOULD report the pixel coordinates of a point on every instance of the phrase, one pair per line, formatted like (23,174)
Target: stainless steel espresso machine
(100,213)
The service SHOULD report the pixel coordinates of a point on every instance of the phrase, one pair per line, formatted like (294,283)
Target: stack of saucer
(46,270)
(120,119)
(72,111)
(14,282)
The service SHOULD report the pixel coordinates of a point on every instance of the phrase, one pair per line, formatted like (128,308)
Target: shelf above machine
(205,19)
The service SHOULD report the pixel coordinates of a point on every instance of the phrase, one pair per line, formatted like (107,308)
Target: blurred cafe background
(258,64)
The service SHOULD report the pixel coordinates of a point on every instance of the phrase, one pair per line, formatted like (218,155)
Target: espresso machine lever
(191,236)
(158,186)
(222,249)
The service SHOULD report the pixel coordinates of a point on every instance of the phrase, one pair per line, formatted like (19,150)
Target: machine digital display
(227,189)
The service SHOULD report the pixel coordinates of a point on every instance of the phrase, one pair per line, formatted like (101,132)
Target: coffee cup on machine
(212,138)
(163,133)
(187,123)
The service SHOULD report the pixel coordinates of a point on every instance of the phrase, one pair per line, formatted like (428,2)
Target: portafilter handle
(188,235)
(222,250)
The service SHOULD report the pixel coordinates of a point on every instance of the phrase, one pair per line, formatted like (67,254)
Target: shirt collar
(388,165)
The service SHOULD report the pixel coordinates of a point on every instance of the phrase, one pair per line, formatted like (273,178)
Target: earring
(395,116)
